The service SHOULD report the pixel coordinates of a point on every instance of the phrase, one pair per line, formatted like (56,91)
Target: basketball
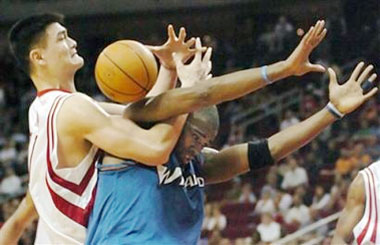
(125,71)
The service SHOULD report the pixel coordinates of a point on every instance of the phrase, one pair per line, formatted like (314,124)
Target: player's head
(201,128)
(41,42)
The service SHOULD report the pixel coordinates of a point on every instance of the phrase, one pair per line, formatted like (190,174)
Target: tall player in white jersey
(360,219)
(67,129)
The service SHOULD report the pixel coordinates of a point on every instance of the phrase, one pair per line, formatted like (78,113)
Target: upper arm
(84,120)
(224,165)
(353,211)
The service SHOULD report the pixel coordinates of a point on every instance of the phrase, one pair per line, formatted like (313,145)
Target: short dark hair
(25,33)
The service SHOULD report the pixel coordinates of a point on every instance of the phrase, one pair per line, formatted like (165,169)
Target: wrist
(168,67)
(333,110)
(287,68)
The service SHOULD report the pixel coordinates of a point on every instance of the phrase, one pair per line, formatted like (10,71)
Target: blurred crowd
(257,207)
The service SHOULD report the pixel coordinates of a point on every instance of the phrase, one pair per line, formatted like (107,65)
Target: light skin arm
(233,160)
(352,212)
(13,228)
(226,87)
(115,134)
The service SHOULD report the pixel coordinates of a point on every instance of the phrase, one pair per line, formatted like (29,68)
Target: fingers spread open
(182,34)
(171,33)
(365,74)
(332,76)
(355,74)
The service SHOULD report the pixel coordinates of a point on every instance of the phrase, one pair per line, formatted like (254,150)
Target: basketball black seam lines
(114,90)
(142,61)
(126,74)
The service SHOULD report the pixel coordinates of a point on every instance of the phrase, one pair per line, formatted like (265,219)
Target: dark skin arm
(232,161)
(227,87)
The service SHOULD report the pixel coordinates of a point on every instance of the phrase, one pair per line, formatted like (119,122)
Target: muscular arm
(233,160)
(213,91)
(13,228)
(115,134)
(352,212)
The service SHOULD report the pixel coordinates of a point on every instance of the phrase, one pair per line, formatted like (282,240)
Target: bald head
(205,119)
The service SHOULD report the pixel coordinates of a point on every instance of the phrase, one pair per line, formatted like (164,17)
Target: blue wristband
(264,75)
(333,110)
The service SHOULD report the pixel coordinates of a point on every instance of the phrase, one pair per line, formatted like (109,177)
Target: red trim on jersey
(364,232)
(42,92)
(374,232)
(72,211)
(31,154)
(76,188)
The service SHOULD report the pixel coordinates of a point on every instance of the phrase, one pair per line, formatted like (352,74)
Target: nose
(73,43)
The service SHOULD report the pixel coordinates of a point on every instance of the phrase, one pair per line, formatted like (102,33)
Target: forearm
(112,108)
(166,80)
(338,240)
(296,136)
(213,91)
(237,84)
(11,232)
(226,164)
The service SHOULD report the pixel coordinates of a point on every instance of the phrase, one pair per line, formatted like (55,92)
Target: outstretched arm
(352,212)
(346,98)
(226,87)
(13,228)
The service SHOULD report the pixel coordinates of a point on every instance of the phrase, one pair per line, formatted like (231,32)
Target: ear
(36,57)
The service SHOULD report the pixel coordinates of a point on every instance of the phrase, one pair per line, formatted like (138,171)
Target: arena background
(243,33)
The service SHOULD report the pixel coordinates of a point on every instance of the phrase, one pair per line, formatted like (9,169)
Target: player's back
(62,197)
(368,228)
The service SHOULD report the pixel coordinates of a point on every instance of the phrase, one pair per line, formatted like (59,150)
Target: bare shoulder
(78,112)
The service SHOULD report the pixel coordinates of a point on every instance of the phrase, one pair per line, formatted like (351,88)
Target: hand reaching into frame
(174,44)
(298,61)
(350,95)
(199,68)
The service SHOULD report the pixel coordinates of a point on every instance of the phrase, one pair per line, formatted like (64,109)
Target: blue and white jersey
(137,204)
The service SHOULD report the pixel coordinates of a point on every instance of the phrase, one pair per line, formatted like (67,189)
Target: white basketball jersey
(63,197)
(368,228)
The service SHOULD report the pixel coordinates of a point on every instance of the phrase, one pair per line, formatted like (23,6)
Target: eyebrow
(62,32)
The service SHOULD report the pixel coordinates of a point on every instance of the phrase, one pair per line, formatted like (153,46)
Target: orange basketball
(125,71)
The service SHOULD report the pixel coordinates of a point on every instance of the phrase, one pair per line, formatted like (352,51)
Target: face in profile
(58,53)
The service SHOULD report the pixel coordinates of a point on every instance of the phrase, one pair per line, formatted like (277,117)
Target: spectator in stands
(283,201)
(265,204)
(295,176)
(11,184)
(299,213)
(9,153)
(268,229)
(345,163)
(247,195)
(217,221)
(320,199)
(271,182)
(288,120)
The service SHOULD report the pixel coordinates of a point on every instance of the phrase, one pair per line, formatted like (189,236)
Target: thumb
(317,68)
(151,48)
(332,77)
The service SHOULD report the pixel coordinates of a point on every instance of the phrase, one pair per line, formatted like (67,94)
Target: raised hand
(199,69)
(349,96)
(298,61)
(174,44)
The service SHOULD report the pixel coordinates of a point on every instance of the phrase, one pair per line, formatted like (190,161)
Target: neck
(44,81)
